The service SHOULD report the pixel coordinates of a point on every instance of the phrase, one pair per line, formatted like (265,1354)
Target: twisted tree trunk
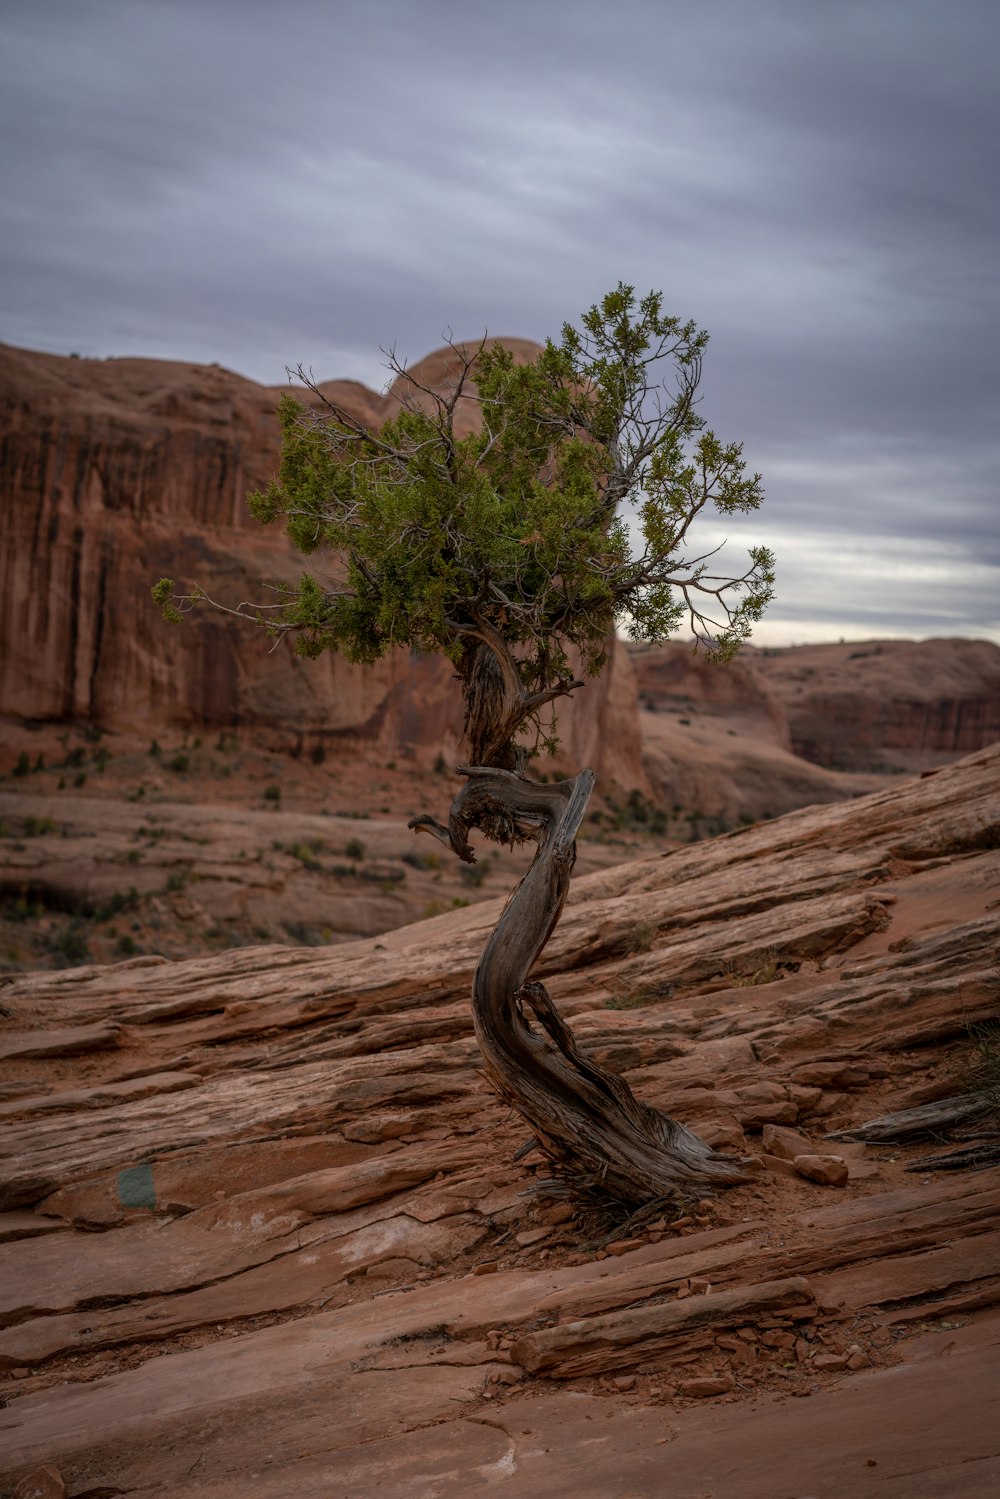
(601,1139)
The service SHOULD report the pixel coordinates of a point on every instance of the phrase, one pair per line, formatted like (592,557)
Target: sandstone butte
(265,1232)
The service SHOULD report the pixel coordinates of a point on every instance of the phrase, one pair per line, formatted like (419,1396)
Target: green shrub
(72,943)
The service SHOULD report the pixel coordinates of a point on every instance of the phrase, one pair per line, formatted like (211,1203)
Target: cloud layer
(257,185)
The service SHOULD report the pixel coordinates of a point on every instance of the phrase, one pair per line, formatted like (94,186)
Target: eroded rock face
(778,729)
(886,704)
(124,470)
(240,1192)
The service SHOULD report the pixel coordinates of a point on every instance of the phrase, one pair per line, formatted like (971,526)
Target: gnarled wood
(598,1136)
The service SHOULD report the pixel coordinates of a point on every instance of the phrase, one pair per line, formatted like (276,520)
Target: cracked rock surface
(264,1232)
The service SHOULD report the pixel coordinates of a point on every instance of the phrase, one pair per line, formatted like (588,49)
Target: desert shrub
(354,849)
(36,827)
(72,943)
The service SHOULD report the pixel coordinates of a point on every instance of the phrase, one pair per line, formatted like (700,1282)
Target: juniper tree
(516,550)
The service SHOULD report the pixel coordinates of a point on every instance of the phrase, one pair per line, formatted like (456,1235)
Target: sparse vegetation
(639,938)
(766,971)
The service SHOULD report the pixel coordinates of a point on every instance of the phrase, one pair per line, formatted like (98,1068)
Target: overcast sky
(813,181)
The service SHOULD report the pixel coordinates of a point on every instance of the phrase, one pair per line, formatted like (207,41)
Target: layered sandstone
(244,1192)
(886,705)
(120,471)
(780,728)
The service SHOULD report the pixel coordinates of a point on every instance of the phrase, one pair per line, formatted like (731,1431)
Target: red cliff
(119,471)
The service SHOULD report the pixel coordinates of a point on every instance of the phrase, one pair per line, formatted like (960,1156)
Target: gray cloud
(257,185)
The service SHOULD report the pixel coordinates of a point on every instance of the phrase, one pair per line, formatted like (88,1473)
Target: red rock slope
(266,1234)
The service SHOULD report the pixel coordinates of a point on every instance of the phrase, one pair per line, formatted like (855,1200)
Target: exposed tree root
(599,1138)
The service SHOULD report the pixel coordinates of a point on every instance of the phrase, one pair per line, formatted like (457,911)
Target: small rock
(45,1482)
(559,1212)
(779,1166)
(830,1361)
(624,1382)
(508,1376)
(857,1361)
(806,1097)
(755,1116)
(529,1236)
(487,1267)
(828,1170)
(699,1287)
(785,1143)
(625,1246)
(707,1385)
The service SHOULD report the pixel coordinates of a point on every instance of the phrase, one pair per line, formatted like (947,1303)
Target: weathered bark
(600,1138)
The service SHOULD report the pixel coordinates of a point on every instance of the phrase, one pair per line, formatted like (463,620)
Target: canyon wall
(119,471)
(886,705)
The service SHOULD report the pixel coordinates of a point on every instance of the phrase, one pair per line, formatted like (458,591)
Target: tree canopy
(567,513)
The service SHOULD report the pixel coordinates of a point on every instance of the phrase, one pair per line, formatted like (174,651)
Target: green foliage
(163,595)
(354,849)
(272,793)
(515,535)
(72,943)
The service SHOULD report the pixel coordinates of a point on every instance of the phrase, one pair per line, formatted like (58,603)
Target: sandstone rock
(777,1140)
(528,1236)
(828,1170)
(60,1043)
(45,1482)
(704,1386)
(886,703)
(393,1269)
(284,1201)
(601,1344)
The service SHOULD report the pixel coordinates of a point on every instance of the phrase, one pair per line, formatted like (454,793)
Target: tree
(508,551)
